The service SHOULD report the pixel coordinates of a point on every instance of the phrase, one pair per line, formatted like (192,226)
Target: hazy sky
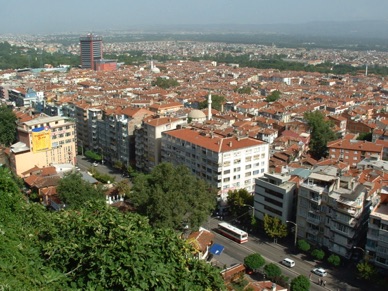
(46,16)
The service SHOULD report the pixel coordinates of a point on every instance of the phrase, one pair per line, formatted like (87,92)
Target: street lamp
(296,230)
(253,209)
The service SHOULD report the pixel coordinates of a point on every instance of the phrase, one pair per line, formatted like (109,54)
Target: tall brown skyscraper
(91,50)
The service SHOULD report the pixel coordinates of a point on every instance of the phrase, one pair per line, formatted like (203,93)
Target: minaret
(209,107)
(366,70)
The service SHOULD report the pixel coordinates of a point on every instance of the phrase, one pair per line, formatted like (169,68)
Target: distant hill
(375,29)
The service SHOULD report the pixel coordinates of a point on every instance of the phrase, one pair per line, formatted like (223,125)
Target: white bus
(232,232)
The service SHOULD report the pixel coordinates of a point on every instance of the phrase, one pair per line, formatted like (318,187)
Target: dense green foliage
(274,96)
(254,261)
(14,57)
(365,136)
(92,248)
(243,90)
(318,254)
(274,227)
(272,271)
(75,192)
(173,197)
(303,245)
(165,83)
(300,283)
(334,260)
(238,201)
(7,126)
(366,270)
(93,156)
(321,133)
(217,102)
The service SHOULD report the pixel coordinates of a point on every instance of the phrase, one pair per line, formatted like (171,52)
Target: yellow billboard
(41,139)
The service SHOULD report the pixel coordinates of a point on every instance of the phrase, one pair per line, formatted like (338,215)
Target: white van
(288,262)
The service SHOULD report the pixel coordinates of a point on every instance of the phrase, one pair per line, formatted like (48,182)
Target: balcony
(314,221)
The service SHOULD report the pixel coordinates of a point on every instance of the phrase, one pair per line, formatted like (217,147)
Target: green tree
(334,260)
(95,247)
(272,271)
(75,192)
(93,156)
(303,245)
(300,283)
(321,133)
(365,136)
(123,187)
(274,96)
(318,254)
(237,201)
(165,83)
(172,196)
(366,270)
(217,102)
(254,261)
(21,266)
(243,90)
(274,227)
(7,126)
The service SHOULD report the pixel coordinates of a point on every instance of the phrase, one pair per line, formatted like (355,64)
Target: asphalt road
(340,279)
(85,164)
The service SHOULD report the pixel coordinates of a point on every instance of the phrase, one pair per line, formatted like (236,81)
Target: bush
(303,245)
(254,261)
(272,271)
(300,283)
(318,254)
(334,260)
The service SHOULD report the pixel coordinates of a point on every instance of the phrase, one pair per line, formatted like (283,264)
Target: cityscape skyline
(42,17)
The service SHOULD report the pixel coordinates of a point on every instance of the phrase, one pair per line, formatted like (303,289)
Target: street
(274,253)
(85,164)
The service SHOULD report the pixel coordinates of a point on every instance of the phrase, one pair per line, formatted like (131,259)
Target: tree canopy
(95,247)
(303,245)
(7,126)
(274,96)
(334,260)
(165,83)
(274,227)
(237,201)
(217,102)
(254,261)
(171,196)
(300,283)
(75,192)
(272,271)
(321,133)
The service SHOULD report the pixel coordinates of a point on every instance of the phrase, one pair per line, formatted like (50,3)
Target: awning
(216,249)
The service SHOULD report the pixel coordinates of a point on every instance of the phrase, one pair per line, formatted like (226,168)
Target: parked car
(288,262)
(95,164)
(320,272)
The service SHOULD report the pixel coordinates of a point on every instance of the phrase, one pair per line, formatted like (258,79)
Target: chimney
(230,144)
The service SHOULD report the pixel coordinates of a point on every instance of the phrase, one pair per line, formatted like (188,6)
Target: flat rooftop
(381,211)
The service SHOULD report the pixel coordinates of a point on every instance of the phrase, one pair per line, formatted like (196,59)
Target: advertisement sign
(41,139)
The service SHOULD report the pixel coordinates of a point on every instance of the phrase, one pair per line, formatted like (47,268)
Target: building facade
(226,163)
(91,50)
(275,195)
(43,141)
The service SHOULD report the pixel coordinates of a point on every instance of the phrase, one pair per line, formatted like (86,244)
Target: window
(226,172)
(248,174)
(256,172)
(247,167)
(237,161)
(238,169)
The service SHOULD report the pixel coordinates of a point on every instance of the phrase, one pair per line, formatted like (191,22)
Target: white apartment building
(227,163)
